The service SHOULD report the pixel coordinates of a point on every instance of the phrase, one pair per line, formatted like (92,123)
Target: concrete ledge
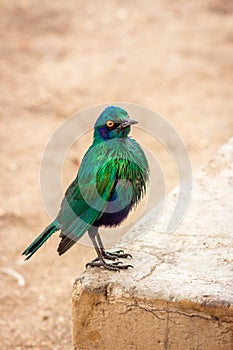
(180,293)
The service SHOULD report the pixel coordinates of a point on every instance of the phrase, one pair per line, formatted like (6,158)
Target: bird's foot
(117,254)
(115,266)
(114,255)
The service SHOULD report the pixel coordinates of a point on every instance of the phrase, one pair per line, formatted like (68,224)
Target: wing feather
(84,203)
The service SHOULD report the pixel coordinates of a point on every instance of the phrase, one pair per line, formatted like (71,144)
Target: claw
(114,255)
(120,251)
(117,254)
(116,266)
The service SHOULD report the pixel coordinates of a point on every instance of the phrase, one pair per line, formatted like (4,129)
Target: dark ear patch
(103,133)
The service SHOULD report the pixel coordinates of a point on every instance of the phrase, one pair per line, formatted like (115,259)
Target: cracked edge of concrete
(99,311)
(110,293)
(100,314)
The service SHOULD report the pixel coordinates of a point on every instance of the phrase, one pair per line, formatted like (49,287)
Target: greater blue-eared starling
(111,180)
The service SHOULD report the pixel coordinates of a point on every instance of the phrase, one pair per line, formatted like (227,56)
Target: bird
(111,180)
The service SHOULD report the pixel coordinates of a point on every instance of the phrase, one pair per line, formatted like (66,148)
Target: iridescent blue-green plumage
(110,182)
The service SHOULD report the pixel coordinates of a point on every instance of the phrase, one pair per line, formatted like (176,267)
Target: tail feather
(37,243)
(65,244)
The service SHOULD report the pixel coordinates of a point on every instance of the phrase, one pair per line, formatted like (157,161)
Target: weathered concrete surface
(180,293)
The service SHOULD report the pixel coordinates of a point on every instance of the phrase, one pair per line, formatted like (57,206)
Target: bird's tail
(37,243)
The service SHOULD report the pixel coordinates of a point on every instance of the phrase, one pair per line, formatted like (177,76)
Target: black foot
(116,266)
(118,254)
(114,255)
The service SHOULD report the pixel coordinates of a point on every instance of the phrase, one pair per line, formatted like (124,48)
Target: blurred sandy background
(59,57)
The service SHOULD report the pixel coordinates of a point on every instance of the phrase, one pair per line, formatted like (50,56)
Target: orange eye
(110,124)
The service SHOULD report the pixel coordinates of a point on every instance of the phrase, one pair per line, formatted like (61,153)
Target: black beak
(127,122)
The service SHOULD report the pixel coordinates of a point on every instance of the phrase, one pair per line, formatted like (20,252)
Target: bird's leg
(99,262)
(111,255)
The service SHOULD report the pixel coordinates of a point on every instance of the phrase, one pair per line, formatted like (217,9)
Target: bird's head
(113,122)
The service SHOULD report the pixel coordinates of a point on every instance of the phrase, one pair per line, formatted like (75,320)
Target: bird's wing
(84,203)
